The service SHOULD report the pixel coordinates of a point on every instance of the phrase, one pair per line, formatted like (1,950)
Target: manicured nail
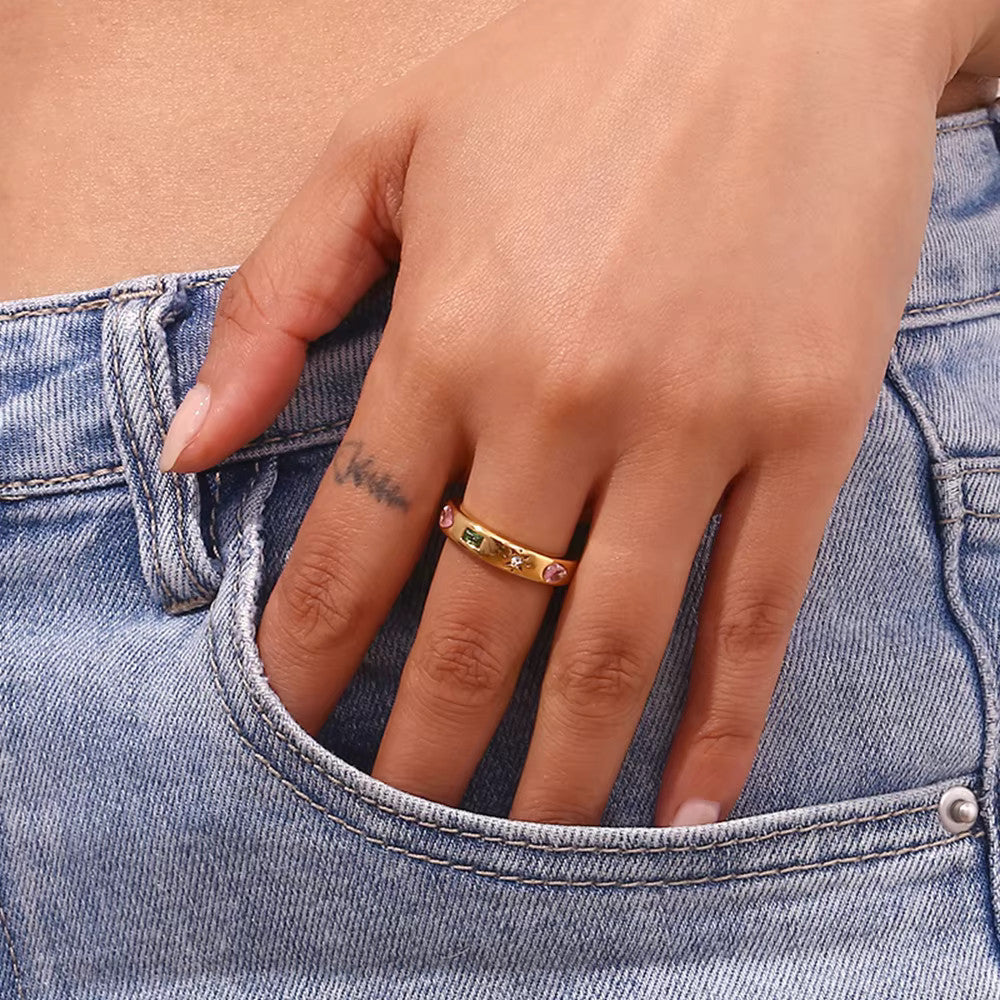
(187,422)
(696,812)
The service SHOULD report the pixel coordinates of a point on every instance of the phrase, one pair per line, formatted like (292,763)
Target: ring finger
(479,622)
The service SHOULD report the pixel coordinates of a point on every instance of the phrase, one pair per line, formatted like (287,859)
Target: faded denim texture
(168,831)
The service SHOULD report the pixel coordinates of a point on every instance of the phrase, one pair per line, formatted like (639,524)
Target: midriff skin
(142,138)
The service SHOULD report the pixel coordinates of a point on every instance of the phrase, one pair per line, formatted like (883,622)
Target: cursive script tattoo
(350,466)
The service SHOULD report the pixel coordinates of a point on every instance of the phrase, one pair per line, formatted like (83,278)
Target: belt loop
(140,392)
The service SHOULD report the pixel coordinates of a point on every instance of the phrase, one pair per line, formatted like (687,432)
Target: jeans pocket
(361,811)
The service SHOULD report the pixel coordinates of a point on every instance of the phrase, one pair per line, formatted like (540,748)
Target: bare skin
(129,158)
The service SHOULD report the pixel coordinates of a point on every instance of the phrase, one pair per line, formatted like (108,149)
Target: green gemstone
(472,537)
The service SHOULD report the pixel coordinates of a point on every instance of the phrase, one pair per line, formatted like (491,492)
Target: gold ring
(475,537)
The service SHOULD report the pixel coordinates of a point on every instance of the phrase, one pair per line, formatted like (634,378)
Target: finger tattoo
(351,466)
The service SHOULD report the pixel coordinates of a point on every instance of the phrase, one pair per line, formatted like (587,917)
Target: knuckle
(374,140)
(256,300)
(814,400)
(461,665)
(566,814)
(752,631)
(321,602)
(433,315)
(728,738)
(242,303)
(429,357)
(423,367)
(568,392)
(602,677)
(554,405)
(800,412)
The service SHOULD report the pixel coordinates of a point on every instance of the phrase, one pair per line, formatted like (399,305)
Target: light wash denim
(168,831)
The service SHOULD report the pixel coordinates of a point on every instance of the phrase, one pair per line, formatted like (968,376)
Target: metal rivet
(958,809)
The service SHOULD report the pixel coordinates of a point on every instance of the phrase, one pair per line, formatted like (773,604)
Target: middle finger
(612,634)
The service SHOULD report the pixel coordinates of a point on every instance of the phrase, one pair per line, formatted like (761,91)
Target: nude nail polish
(696,812)
(188,420)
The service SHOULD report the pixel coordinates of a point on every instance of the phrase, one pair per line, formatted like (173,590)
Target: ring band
(475,537)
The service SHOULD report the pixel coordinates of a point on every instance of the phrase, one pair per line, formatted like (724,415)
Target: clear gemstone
(554,573)
(516,561)
(447,518)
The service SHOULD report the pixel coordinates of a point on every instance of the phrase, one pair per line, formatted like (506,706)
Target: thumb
(326,249)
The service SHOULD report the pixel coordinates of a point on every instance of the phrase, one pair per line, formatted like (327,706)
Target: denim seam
(127,425)
(182,509)
(918,310)
(949,542)
(291,436)
(119,469)
(967,127)
(125,296)
(567,883)
(965,513)
(75,477)
(937,453)
(13,955)
(552,848)
(469,834)
(971,470)
(105,301)
(985,668)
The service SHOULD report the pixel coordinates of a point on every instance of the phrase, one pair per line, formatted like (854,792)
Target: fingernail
(187,422)
(696,812)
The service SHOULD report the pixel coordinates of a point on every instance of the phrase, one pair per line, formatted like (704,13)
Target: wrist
(974,29)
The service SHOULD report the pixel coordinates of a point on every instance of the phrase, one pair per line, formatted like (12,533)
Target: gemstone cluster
(501,553)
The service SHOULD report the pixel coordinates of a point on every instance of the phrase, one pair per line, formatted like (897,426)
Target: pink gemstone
(554,573)
(447,518)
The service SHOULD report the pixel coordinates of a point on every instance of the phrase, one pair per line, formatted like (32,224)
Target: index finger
(325,250)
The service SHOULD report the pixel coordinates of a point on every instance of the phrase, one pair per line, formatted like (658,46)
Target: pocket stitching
(565,883)
(242,553)
(556,848)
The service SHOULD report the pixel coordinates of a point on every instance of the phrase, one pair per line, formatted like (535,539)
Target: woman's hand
(651,255)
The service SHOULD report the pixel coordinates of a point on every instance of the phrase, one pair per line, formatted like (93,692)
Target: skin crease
(569,422)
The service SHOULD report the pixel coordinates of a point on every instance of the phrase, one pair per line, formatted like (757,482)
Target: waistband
(89,380)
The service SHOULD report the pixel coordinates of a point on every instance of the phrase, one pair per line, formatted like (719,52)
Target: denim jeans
(168,831)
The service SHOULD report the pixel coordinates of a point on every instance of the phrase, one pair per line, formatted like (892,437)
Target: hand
(651,256)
